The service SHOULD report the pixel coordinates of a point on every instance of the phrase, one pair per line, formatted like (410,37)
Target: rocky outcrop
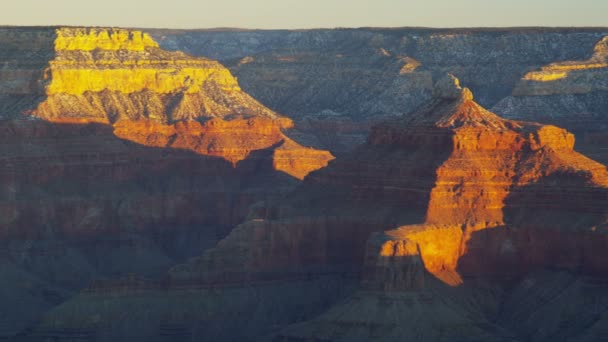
(512,198)
(119,157)
(480,202)
(497,172)
(572,77)
(571,94)
(113,74)
(366,75)
(122,77)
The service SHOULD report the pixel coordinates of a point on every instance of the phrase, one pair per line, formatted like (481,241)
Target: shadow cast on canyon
(553,223)
(77,194)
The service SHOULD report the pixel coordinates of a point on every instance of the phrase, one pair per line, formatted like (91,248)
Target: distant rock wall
(364,75)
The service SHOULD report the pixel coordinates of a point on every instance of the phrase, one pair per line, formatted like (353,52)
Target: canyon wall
(354,78)
(571,94)
(436,215)
(515,215)
(120,157)
(146,194)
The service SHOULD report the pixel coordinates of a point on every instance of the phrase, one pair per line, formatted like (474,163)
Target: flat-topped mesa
(570,94)
(88,39)
(122,77)
(109,74)
(570,77)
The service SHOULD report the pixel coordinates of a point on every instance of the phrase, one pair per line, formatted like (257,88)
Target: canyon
(346,187)
(336,84)
(120,157)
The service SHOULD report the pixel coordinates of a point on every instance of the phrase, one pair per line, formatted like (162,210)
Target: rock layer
(365,75)
(120,157)
(571,94)
(122,77)
(475,196)
(512,198)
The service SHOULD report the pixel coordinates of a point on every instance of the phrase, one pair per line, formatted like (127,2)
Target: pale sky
(269,14)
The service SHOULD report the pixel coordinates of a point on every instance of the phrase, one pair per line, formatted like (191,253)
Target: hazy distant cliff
(491,61)
(336,83)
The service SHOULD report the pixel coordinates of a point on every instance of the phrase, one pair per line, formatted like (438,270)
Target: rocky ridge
(364,76)
(534,204)
(122,77)
(466,189)
(571,94)
(119,158)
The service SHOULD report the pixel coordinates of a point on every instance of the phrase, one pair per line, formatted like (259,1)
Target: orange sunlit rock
(463,187)
(491,159)
(164,99)
(570,77)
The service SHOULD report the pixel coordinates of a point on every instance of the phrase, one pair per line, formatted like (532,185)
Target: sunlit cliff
(163,99)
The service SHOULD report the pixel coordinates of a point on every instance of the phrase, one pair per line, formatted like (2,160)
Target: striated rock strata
(363,76)
(123,78)
(511,199)
(481,202)
(121,158)
(571,94)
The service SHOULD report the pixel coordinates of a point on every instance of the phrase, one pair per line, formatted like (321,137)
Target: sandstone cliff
(122,77)
(120,157)
(478,203)
(362,76)
(511,199)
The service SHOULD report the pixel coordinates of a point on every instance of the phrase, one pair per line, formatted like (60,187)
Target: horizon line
(227,28)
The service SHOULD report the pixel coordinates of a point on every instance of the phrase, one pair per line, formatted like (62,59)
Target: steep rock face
(512,198)
(571,94)
(485,168)
(475,197)
(119,158)
(103,75)
(109,74)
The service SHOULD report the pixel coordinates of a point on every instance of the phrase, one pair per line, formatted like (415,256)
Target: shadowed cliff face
(511,200)
(79,204)
(25,55)
(119,158)
(122,78)
(463,186)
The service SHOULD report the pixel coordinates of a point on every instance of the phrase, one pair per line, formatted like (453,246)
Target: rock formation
(122,77)
(571,77)
(448,223)
(111,74)
(571,94)
(120,157)
(480,202)
(367,75)
(512,198)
